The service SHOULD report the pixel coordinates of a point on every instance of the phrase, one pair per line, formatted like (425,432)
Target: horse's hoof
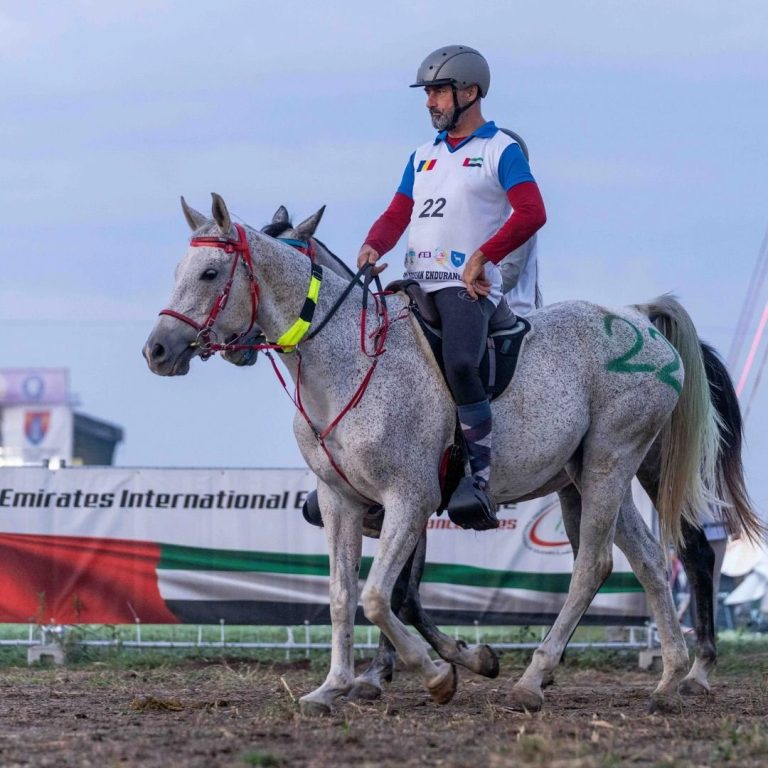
(691,687)
(313,708)
(364,691)
(488,661)
(665,704)
(525,700)
(443,686)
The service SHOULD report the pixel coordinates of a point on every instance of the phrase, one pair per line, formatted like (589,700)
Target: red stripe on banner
(79,580)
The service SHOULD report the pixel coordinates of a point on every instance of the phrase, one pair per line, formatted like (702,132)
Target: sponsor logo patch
(473,162)
(545,533)
(457,258)
(425,254)
(441,257)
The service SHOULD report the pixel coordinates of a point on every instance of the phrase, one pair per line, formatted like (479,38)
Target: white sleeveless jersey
(459,202)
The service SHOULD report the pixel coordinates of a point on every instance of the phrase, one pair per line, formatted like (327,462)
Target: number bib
(458,204)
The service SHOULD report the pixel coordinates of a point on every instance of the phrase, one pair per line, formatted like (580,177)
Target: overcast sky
(647,124)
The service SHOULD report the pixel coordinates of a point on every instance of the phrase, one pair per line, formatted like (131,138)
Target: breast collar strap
(288,341)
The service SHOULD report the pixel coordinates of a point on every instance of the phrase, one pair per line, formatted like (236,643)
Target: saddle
(506,335)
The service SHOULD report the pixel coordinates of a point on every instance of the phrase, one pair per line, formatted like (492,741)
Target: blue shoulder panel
(406,185)
(513,167)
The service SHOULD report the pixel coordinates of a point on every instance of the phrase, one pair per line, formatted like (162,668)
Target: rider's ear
(307,228)
(194,219)
(281,216)
(221,214)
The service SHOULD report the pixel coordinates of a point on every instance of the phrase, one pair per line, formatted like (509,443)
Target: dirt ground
(222,712)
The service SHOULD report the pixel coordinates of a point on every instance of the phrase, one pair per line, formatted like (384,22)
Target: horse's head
(211,302)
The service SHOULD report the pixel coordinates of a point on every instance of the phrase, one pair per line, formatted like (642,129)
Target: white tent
(745,559)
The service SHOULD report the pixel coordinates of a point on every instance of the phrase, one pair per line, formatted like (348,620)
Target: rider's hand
(474,276)
(370,255)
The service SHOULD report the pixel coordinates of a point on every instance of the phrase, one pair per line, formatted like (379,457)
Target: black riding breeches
(465,330)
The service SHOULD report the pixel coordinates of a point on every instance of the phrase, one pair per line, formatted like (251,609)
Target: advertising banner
(111,545)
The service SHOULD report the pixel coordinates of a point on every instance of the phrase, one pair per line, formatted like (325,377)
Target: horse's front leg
(399,535)
(369,685)
(343,530)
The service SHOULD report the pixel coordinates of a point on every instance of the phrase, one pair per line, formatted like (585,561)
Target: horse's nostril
(158,352)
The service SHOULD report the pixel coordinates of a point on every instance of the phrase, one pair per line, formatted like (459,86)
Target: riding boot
(471,505)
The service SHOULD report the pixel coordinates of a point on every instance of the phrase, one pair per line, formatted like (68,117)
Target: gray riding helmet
(457,65)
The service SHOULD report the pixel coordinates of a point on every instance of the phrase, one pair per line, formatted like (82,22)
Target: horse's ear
(281,216)
(221,214)
(193,217)
(307,228)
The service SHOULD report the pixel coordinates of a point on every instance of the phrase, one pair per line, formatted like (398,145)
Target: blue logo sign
(33,387)
(457,258)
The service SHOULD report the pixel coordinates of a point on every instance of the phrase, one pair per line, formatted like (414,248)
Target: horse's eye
(209,274)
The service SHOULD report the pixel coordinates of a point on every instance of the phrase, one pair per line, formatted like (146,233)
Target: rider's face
(440,103)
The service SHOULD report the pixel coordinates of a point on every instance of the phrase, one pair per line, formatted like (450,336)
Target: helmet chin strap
(457,110)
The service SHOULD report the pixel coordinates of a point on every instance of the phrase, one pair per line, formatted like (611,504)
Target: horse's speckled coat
(562,404)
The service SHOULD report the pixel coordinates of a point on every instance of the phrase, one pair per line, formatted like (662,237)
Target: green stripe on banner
(176,558)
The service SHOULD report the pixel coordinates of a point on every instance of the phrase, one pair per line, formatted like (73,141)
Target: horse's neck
(284,276)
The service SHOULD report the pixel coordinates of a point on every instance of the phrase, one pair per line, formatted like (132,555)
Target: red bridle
(205,330)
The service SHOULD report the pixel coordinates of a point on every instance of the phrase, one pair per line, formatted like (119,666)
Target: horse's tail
(690,440)
(738,514)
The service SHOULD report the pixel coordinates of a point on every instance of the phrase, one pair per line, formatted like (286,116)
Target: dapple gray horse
(696,554)
(592,391)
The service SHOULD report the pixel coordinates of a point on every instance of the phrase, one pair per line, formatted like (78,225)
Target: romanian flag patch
(426,165)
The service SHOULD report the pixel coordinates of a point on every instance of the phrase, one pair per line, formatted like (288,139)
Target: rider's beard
(441,118)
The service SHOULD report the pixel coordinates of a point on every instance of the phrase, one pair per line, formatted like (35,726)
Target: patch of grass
(264,759)
(737,741)
(535,748)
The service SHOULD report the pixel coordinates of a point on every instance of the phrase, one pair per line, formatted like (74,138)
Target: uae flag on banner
(73,580)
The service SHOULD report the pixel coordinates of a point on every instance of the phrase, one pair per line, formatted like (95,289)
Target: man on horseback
(469,199)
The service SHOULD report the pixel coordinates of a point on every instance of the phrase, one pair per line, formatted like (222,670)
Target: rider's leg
(465,330)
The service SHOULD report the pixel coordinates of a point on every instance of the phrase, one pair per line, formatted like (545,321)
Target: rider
(470,199)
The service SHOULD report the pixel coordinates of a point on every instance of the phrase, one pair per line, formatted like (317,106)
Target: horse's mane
(276,228)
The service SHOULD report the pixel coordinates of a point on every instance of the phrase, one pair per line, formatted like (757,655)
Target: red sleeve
(528,216)
(389,227)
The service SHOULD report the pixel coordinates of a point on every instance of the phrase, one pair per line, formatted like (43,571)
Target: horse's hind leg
(649,564)
(480,659)
(699,562)
(602,489)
